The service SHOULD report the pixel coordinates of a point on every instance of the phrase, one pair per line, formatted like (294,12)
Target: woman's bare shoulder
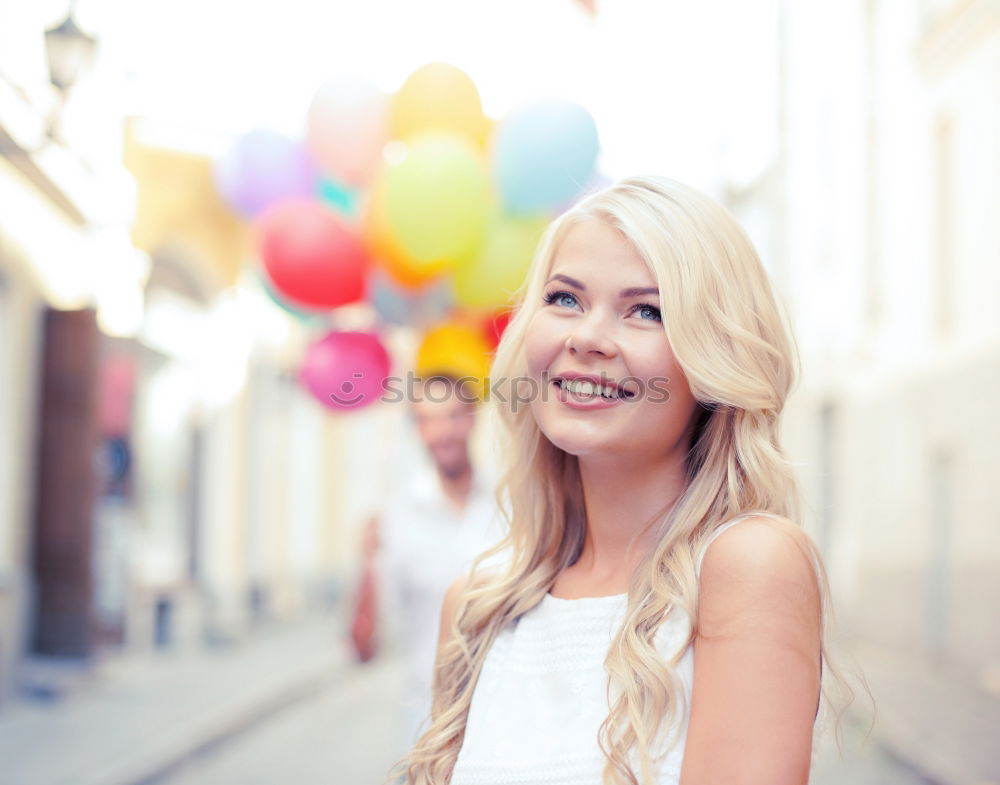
(760,541)
(757,657)
(763,565)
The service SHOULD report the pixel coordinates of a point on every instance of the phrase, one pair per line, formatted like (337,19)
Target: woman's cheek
(538,345)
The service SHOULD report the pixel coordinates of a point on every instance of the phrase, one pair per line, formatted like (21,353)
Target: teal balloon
(544,155)
(341,197)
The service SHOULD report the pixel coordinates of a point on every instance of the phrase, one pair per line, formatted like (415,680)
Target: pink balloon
(346,370)
(348,125)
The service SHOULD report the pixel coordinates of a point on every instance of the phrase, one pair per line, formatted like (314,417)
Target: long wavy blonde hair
(731,341)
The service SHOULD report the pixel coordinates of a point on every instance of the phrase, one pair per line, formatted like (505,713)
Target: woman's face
(600,323)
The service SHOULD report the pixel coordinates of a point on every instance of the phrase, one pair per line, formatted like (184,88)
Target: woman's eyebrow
(638,291)
(635,291)
(571,281)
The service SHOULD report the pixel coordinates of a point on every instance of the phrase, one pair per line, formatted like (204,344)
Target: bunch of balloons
(416,203)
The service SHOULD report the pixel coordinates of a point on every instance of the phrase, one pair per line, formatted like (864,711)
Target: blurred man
(428,534)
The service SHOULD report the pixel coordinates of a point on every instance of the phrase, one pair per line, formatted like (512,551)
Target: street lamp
(68,49)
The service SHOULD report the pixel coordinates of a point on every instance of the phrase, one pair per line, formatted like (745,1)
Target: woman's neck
(623,500)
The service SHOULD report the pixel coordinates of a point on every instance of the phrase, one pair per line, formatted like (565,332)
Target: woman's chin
(576,441)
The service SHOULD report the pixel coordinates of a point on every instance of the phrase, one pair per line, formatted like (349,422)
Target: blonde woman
(662,616)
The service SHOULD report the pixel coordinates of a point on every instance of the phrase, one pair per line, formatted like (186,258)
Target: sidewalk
(136,719)
(931,719)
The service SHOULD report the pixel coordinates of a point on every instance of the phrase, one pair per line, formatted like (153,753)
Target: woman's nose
(590,334)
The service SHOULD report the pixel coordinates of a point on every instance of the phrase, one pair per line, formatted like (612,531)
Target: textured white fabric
(542,694)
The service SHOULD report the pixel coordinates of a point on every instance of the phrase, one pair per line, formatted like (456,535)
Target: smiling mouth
(586,389)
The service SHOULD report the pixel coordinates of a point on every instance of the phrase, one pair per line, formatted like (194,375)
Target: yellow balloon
(455,350)
(437,200)
(438,97)
(495,274)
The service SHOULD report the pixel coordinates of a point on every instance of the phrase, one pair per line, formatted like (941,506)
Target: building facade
(879,214)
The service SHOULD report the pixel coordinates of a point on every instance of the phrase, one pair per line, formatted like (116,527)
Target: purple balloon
(346,370)
(261,168)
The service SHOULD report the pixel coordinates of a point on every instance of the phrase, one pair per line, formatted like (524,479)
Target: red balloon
(311,255)
(495,325)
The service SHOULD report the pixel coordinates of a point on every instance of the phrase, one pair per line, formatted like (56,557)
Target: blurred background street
(224,226)
(291,707)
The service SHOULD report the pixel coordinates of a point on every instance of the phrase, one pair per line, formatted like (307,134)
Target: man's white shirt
(425,545)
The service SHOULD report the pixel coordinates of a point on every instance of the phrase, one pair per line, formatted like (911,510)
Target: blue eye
(560,298)
(648,312)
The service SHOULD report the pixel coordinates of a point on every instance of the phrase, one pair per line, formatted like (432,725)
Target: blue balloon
(420,308)
(544,155)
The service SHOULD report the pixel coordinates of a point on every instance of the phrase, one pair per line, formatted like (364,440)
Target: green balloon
(437,199)
(497,271)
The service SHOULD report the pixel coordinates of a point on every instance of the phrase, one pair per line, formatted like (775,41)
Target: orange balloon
(468,317)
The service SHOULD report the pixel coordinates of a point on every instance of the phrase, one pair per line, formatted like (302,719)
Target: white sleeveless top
(542,694)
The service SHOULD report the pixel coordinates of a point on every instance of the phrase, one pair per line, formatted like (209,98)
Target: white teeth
(587,388)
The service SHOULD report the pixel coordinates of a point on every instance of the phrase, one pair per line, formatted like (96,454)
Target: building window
(943,262)
(873,287)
